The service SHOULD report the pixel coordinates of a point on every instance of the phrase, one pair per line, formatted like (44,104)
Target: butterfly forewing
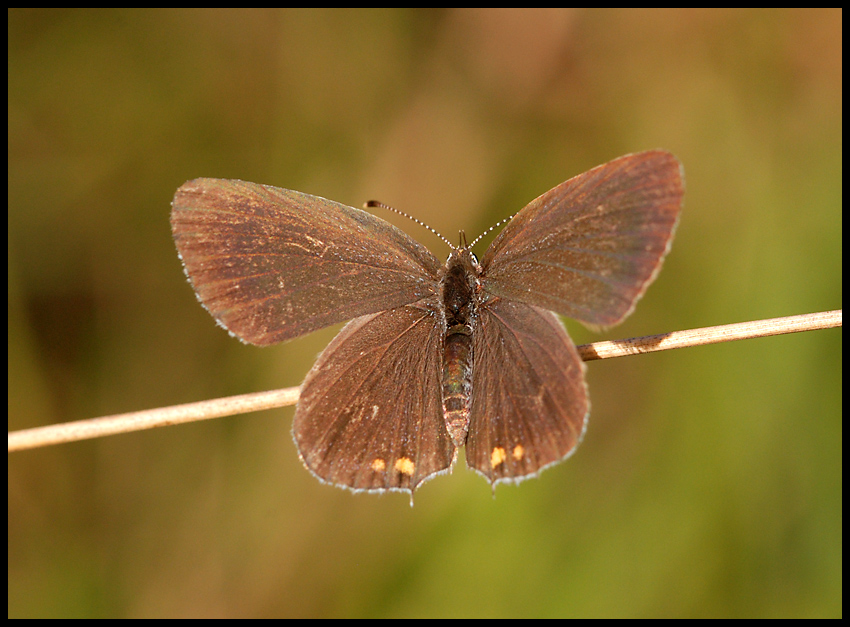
(271,264)
(370,415)
(588,248)
(529,400)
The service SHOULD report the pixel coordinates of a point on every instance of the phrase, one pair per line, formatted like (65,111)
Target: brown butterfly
(436,356)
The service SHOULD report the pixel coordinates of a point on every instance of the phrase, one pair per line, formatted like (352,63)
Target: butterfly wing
(529,414)
(589,248)
(370,415)
(271,264)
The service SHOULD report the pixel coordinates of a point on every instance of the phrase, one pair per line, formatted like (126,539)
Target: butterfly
(435,356)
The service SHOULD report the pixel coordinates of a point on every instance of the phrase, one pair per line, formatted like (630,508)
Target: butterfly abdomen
(457,381)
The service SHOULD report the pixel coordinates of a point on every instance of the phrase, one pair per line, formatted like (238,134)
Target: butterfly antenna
(374,203)
(499,223)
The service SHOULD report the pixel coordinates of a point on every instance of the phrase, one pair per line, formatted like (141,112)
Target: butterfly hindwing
(529,400)
(370,415)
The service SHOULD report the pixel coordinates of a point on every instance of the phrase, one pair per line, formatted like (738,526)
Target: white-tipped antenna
(499,223)
(375,203)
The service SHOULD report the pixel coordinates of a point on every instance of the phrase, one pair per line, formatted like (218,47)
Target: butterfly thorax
(458,286)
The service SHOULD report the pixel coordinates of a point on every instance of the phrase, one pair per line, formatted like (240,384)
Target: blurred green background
(709,480)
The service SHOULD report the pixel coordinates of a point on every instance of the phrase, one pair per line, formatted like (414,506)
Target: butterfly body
(459,289)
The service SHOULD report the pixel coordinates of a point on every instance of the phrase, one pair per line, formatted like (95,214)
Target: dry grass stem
(204,410)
